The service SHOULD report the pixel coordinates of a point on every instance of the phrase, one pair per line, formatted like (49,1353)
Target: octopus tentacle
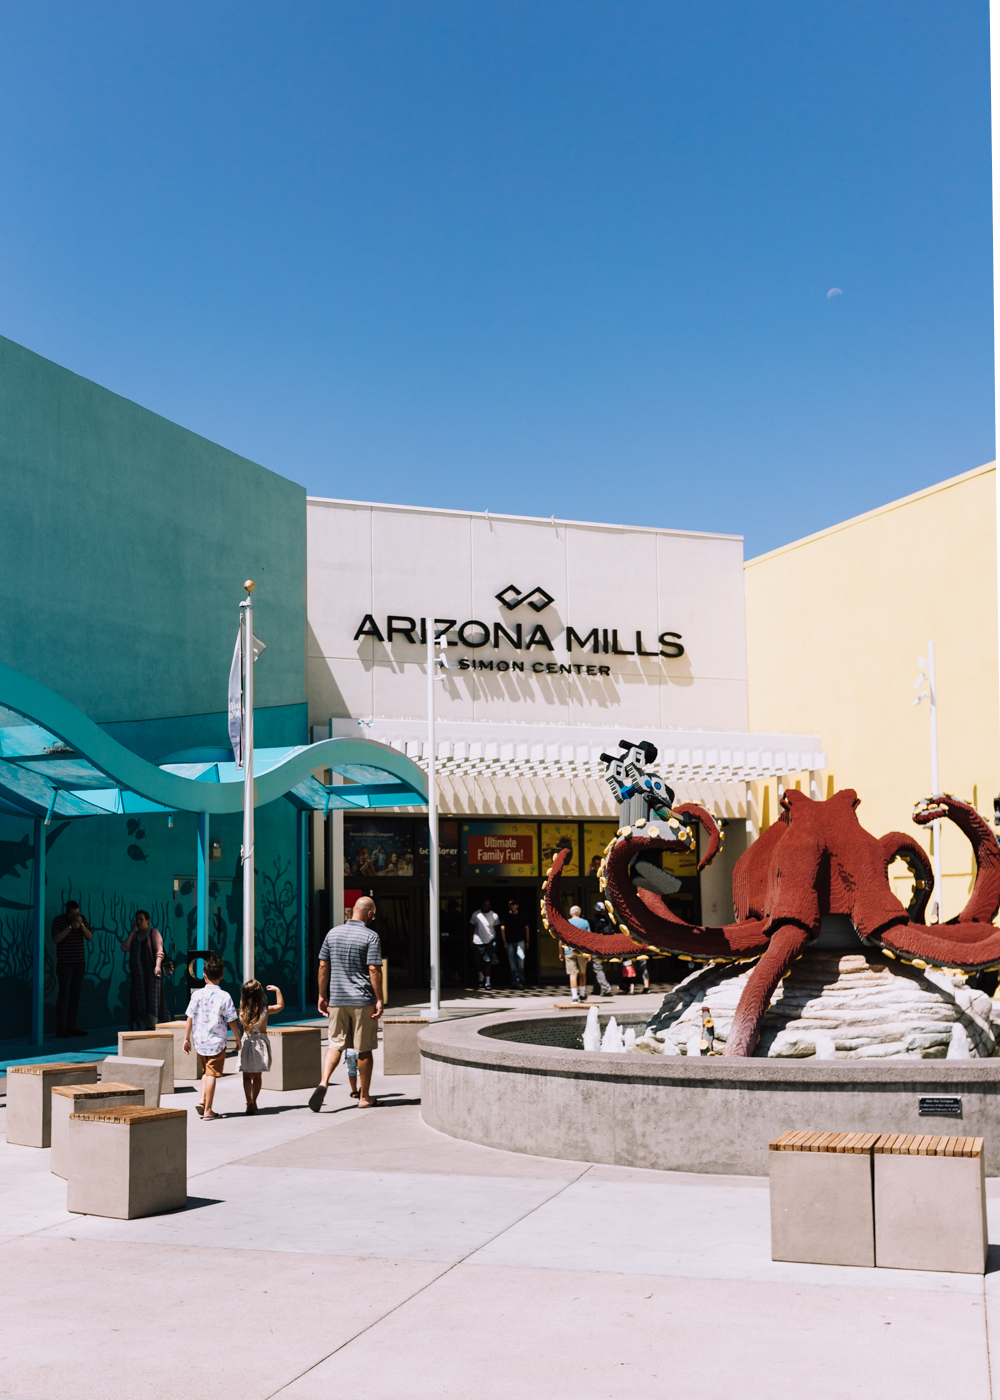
(708,824)
(650,918)
(970,947)
(786,944)
(603,944)
(984,901)
(896,844)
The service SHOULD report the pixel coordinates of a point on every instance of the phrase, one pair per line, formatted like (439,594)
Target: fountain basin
(485,1082)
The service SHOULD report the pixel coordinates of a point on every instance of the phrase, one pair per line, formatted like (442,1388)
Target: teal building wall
(124,542)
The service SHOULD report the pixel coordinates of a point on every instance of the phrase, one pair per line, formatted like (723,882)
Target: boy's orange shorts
(212,1065)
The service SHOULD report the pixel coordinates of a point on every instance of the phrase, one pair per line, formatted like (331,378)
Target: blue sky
(541,258)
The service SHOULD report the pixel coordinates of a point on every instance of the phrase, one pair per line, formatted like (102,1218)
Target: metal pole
(38,937)
(935,789)
(248,876)
(434,907)
(995,134)
(201,887)
(301,913)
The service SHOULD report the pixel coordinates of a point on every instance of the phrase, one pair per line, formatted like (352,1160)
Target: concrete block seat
(143,1074)
(75,1098)
(29,1098)
(127,1162)
(930,1203)
(185,1066)
(821,1198)
(151,1045)
(296,1057)
(400,1051)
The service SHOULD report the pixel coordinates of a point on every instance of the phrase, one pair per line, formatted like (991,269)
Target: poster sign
(596,836)
(499,848)
(378,848)
(561,836)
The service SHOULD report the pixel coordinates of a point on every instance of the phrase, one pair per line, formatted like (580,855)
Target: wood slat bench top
(95,1091)
(54,1067)
(293,1030)
(125,1113)
(824,1142)
(170,1025)
(146,1035)
(405,1021)
(890,1144)
(928,1145)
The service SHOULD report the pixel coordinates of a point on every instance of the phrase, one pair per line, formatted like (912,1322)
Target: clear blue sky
(546,258)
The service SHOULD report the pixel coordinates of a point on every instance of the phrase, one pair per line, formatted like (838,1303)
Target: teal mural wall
(124,542)
(122,530)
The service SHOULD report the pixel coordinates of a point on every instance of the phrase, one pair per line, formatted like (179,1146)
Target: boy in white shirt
(209,1012)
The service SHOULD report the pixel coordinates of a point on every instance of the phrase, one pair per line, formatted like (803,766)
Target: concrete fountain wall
(712,1115)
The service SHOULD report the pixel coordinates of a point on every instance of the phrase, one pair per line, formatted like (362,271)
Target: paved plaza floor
(360,1253)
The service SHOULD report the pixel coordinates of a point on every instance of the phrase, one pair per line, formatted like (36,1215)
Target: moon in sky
(834,292)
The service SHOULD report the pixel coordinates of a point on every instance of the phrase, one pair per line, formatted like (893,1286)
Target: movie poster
(499,848)
(561,836)
(374,848)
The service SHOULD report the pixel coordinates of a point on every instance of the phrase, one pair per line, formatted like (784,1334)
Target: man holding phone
(68,934)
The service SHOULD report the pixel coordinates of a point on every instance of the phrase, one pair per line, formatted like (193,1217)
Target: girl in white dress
(255,1052)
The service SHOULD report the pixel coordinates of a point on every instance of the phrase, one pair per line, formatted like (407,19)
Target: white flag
(236,700)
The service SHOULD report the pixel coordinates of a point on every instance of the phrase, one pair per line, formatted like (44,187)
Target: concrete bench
(821,1198)
(930,1203)
(75,1098)
(29,1098)
(127,1162)
(400,1053)
(151,1045)
(296,1057)
(144,1074)
(185,1066)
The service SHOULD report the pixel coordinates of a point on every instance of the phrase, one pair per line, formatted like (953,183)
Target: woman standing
(144,946)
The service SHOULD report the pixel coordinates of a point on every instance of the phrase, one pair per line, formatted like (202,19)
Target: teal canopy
(55,761)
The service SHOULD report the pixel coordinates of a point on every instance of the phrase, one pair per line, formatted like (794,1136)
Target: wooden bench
(29,1098)
(151,1045)
(400,1052)
(74,1098)
(127,1162)
(821,1198)
(930,1203)
(296,1057)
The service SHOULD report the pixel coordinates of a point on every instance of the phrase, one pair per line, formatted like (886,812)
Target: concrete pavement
(359,1252)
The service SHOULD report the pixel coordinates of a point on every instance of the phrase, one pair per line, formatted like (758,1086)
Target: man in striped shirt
(350,991)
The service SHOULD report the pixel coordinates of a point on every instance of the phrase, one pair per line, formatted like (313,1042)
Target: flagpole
(246,612)
(433,908)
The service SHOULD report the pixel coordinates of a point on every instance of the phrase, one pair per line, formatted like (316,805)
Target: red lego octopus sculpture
(816,859)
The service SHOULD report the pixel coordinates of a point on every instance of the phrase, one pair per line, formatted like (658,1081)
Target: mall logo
(475,634)
(511,597)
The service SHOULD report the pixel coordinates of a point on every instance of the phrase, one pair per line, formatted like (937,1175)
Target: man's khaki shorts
(575,962)
(212,1065)
(353,1028)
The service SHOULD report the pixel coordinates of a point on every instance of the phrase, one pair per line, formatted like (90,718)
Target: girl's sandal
(199,1108)
(355,1093)
(210,1117)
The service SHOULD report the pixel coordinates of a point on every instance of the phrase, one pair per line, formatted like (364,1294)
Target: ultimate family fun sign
(520,637)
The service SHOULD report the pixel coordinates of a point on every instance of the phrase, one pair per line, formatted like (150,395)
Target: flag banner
(236,700)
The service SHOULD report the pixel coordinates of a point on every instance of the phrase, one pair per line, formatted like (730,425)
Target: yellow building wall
(835,624)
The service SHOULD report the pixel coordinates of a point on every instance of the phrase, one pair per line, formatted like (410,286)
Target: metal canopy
(55,761)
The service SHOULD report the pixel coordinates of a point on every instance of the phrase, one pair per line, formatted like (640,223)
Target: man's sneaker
(316,1098)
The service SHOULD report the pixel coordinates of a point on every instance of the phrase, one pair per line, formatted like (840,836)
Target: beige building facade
(836,623)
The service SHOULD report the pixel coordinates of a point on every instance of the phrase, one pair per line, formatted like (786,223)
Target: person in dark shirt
(69,933)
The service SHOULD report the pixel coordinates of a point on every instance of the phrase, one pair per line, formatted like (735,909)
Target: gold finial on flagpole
(249,585)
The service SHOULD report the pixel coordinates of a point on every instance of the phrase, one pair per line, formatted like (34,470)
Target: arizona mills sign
(520,636)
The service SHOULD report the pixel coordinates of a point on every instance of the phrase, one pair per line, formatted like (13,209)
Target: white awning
(474,749)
